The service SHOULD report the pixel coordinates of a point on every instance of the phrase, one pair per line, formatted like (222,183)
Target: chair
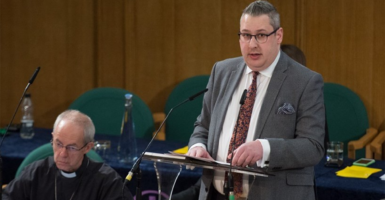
(376,148)
(46,151)
(180,123)
(347,119)
(105,106)
(378,143)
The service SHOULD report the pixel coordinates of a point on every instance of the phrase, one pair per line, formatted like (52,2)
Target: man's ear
(89,146)
(279,35)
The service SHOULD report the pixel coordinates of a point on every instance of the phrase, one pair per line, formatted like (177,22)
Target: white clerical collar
(68,175)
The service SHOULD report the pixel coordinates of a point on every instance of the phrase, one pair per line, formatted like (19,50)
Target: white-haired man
(69,174)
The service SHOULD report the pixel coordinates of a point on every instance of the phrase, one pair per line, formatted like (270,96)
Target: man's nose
(63,152)
(253,42)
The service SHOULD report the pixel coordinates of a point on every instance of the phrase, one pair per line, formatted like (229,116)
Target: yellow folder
(183,150)
(357,172)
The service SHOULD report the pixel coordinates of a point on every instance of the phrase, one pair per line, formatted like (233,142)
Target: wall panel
(147,47)
(110,46)
(377,103)
(340,44)
(54,35)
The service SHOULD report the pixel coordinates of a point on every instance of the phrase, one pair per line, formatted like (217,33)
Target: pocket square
(286,109)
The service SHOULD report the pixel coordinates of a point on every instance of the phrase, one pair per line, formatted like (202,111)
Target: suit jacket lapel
(224,101)
(273,89)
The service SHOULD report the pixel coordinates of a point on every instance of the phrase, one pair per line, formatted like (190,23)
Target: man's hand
(199,152)
(247,154)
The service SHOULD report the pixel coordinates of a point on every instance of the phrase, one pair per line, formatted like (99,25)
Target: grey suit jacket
(296,139)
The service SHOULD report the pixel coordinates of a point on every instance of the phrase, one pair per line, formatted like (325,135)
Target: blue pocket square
(286,109)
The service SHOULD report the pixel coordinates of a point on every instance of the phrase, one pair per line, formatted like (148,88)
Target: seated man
(69,174)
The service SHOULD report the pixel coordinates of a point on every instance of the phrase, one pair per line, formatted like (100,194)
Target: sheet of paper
(357,172)
(163,155)
(202,159)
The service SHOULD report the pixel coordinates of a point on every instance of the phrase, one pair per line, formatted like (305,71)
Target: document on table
(357,172)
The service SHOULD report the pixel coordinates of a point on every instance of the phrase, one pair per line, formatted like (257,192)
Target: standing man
(69,174)
(280,125)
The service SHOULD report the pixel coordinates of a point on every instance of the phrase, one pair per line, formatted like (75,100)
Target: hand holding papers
(182,159)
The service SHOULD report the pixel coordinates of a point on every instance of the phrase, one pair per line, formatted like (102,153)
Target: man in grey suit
(286,129)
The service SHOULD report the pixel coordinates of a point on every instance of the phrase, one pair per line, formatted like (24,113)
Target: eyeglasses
(260,37)
(70,149)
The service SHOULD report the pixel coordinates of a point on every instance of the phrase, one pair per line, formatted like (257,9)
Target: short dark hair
(258,8)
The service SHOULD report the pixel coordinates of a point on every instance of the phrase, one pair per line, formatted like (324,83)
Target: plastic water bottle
(127,144)
(26,130)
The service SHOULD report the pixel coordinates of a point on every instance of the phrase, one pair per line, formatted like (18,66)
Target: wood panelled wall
(149,46)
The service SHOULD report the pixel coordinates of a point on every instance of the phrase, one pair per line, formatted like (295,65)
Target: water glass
(102,147)
(335,153)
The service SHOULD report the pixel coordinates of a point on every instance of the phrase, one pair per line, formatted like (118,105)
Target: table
(329,186)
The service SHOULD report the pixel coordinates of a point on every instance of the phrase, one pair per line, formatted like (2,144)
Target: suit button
(206,189)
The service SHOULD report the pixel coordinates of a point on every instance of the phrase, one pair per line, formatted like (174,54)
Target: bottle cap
(128,96)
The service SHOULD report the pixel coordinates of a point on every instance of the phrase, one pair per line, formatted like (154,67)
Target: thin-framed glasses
(69,148)
(260,37)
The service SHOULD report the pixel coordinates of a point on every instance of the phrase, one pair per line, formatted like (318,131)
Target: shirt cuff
(198,145)
(264,162)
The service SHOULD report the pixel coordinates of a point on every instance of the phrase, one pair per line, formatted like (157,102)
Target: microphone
(6,131)
(230,182)
(194,96)
(34,76)
(136,164)
(243,98)
(139,159)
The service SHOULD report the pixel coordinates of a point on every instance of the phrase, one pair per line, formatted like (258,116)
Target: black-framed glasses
(260,37)
(69,148)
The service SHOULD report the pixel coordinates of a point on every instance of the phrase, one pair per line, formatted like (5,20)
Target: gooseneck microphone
(138,160)
(230,182)
(6,131)
(33,77)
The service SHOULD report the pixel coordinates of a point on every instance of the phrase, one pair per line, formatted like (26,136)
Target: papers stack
(357,172)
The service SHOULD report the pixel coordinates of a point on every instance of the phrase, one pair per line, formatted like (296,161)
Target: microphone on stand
(230,182)
(138,160)
(6,131)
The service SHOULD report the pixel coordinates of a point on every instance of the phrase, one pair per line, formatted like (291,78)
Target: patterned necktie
(241,129)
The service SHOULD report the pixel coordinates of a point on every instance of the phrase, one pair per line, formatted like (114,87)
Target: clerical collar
(68,175)
(79,171)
